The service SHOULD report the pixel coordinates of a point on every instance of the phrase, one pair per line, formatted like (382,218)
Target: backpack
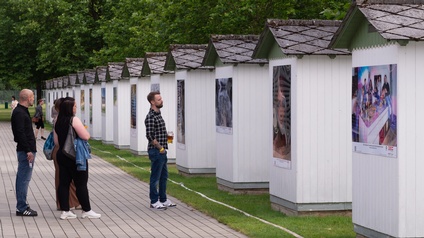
(48,146)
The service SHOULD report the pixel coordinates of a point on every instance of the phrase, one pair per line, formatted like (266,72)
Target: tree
(40,40)
(46,39)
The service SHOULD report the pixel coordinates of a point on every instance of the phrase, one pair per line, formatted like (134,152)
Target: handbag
(34,119)
(69,146)
(48,146)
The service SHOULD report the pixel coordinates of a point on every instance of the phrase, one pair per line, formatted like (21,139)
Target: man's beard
(160,106)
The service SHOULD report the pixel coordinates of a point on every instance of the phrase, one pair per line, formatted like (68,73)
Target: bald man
(26,149)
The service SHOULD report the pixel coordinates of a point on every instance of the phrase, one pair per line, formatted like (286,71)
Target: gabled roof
(80,77)
(154,63)
(232,49)
(298,37)
(72,79)
(114,70)
(100,74)
(59,82)
(392,19)
(132,67)
(185,57)
(47,84)
(65,80)
(89,75)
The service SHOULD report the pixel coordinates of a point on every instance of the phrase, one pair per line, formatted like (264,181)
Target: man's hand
(30,156)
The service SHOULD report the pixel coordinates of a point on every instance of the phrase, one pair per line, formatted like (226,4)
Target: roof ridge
(153,54)
(303,22)
(188,46)
(396,2)
(235,37)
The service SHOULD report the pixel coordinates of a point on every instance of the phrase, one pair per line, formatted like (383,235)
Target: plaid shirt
(155,129)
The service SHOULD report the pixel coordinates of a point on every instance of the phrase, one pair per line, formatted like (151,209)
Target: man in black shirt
(26,149)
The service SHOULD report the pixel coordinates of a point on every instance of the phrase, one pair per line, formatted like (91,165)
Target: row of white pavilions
(318,176)
(112,102)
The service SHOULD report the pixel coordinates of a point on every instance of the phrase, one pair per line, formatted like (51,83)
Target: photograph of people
(281,125)
(180,112)
(374,109)
(224,111)
(82,101)
(133,106)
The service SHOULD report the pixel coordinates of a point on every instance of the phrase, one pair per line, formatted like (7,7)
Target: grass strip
(257,205)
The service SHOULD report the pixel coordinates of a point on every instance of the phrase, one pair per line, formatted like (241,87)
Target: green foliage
(40,40)
(45,39)
(335,10)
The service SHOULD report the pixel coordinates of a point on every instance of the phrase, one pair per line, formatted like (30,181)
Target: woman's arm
(55,138)
(80,129)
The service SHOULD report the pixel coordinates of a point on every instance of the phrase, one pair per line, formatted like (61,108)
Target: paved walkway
(120,198)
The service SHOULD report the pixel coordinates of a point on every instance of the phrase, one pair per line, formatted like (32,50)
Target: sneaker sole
(158,208)
(67,218)
(90,217)
(22,215)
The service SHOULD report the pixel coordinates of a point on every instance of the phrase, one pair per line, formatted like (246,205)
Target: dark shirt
(38,111)
(155,129)
(22,130)
(387,87)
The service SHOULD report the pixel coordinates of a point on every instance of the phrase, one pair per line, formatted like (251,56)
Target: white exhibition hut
(96,108)
(65,86)
(53,92)
(74,85)
(85,100)
(93,111)
(48,91)
(121,105)
(140,87)
(195,110)
(79,96)
(387,43)
(241,118)
(163,81)
(308,132)
(106,101)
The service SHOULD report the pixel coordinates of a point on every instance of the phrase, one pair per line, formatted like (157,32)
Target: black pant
(67,173)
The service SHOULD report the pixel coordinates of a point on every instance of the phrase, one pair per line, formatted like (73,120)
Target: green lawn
(255,205)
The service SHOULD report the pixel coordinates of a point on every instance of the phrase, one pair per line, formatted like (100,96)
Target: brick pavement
(120,198)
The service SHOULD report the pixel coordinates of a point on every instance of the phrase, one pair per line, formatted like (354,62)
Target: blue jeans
(158,175)
(23,176)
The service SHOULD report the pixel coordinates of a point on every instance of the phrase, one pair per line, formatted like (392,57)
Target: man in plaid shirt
(157,136)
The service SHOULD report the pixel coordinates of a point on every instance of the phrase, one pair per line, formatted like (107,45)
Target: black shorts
(39,124)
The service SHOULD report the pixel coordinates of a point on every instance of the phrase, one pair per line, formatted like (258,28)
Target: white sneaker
(168,203)
(158,205)
(90,214)
(67,215)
